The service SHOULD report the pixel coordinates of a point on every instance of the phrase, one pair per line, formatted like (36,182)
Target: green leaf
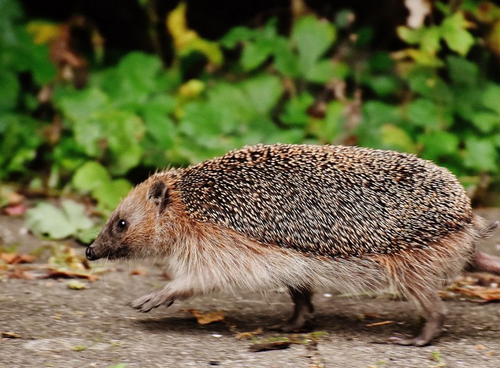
(19,141)
(425,113)
(438,144)
(456,36)
(409,35)
(377,113)
(329,128)
(429,41)
(110,194)
(393,137)
(285,61)
(491,97)
(90,176)
(486,122)
(295,110)
(237,35)
(81,105)
(263,92)
(46,219)
(462,71)
(9,90)
(481,154)
(254,54)
(383,85)
(321,72)
(312,38)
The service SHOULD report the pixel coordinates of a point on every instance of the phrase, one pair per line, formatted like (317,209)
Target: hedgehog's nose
(89,253)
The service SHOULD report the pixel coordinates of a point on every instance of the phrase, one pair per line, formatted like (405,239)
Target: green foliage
(70,219)
(320,82)
(94,179)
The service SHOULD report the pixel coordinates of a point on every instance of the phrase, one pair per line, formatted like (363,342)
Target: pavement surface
(55,326)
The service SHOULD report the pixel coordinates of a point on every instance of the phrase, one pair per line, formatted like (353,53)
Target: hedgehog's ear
(158,193)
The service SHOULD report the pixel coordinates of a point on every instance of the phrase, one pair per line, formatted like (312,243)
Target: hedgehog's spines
(333,201)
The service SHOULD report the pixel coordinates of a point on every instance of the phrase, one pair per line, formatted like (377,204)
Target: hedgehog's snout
(90,253)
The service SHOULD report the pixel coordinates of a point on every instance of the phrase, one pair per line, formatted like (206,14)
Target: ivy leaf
(81,105)
(254,54)
(237,35)
(438,143)
(295,110)
(312,38)
(329,128)
(90,176)
(409,35)
(462,71)
(485,122)
(285,61)
(480,154)
(424,112)
(430,40)
(263,92)
(456,36)
(321,72)
(394,137)
(9,90)
(110,194)
(491,97)
(58,223)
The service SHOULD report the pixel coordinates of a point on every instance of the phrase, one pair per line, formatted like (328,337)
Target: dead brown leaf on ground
(248,335)
(65,274)
(138,272)
(484,293)
(10,335)
(266,346)
(482,286)
(207,318)
(15,258)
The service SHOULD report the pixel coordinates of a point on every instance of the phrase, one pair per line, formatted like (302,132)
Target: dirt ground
(55,326)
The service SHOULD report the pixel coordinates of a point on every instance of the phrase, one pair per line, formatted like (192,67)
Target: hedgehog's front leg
(171,292)
(303,308)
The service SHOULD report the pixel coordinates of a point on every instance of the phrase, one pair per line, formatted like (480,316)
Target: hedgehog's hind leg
(434,313)
(302,310)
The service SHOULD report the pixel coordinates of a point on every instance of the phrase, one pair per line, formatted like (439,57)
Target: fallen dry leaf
(14,258)
(76,285)
(484,293)
(138,272)
(63,273)
(10,335)
(266,346)
(16,210)
(376,324)
(206,318)
(248,335)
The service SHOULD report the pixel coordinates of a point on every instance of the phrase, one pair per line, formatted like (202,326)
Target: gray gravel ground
(59,327)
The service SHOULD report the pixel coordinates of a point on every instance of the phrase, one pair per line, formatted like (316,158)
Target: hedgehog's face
(129,231)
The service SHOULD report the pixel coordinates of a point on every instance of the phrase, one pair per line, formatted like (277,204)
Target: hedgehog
(303,217)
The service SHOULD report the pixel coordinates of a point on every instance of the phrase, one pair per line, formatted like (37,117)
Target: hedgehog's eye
(122,224)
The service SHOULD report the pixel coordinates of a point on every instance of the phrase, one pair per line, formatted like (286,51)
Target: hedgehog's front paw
(147,302)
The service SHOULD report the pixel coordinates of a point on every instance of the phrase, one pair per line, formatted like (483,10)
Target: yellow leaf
(187,40)
(42,32)
(206,318)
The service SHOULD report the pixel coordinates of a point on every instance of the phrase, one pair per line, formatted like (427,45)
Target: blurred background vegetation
(96,95)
